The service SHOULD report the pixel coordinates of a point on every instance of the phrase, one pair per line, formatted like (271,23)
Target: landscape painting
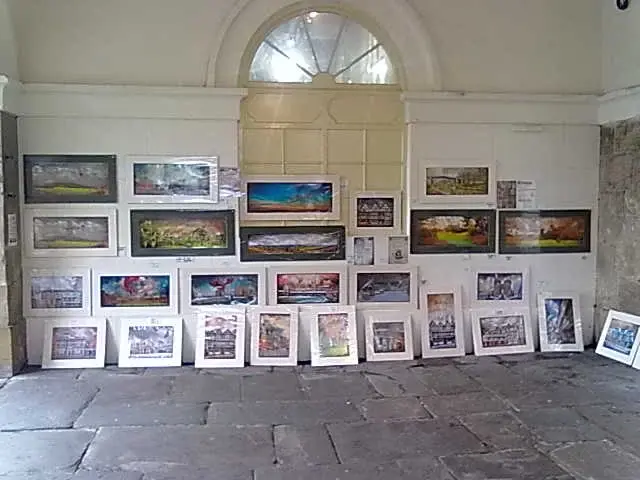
(456,181)
(388,337)
(333,334)
(151,341)
(134,291)
(307,288)
(220,333)
(62,232)
(441,318)
(559,317)
(503,331)
(383,287)
(57,292)
(621,336)
(289,197)
(492,286)
(173,179)
(74,343)
(274,335)
(223,289)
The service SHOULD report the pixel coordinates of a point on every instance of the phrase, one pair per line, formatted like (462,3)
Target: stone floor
(529,417)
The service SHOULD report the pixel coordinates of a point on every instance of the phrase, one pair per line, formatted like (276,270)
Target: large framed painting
(274,335)
(333,334)
(389,286)
(275,244)
(74,342)
(506,286)
(308,285)
(168,179)
(150,342)
(544,231)
(70,232)
(453,231)
(502,331)
(559,321)
(620,337)
(291,197)
(375,213)
(389,335)
(63,292)
(457,181)
(443,324)
(182,233)
(70,179)
(220,338)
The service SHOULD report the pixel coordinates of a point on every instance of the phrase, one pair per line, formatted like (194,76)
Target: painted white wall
(620,46)
(8,47)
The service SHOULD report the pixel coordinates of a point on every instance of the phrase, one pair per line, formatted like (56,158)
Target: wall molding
(10,92)
(619,105)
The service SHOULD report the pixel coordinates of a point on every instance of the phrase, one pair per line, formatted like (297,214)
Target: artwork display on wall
(502,331)
(56,293)
(274,335)
(364,250)
(509,286)
(398,250)
(307,285)
(389,335)
(74,343)
(221,338)
(375,213)
(388,286)
(619,339)
(443,325)
(560,323)
(333,334)
(150,342)
(468,181)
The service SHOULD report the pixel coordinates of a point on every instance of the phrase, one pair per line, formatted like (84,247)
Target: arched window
(321,43)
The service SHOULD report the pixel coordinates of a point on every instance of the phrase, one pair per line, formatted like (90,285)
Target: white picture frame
(361,278)
(86,350)
(487,322)
(35,217)
(513,283)
(260,318)
(381,338)
(230,323)
(43,289)
(154,332)
(560,322)
(319,316)
(612,345)
(249,206)
(488,199)
(277,295)
(438,304)
(360,227)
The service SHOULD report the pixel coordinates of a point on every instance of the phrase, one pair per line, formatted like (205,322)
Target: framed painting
(375,213)
(274,335)
(388,286)
(274,244)
(182,233)
(70,179)
(167,179)
(74,342)
(333,334)
(559,321)
(71,232)
(502,331)
(203,288)
(443,325)
(460,181)
(545,231)
(220,337)
(364,250)
(453,231)
(291,197)
(503,285)
(308,285)
(150,342)
(619,339)
(57,293)
(389,335)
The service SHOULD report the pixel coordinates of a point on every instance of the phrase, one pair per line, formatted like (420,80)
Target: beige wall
(8,50)
(621,46)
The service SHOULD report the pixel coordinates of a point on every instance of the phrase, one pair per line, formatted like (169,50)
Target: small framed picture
(374,213)
(364,250)
(57,293)
(274,335)
(619,339)
(460,181)
(388,286)
(334,337)
(398,250)
(506,286)
(150,342)
(308,285)
(559,320)
(220,338)
(74,343)
(443,325)
(389,335)
(502,331)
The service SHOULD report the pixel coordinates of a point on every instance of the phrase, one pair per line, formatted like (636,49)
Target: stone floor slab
(385,385)
(598,461)
(501,431)
(181,472)
(393,408)
(552,395)
(274,386)
(303,446)
(447,380)
(399,382)
(119,389)
(339,472)
(320,386)
(88,475)
(206,388)
(464,404)
(101,414)
(558,425)
(622,423)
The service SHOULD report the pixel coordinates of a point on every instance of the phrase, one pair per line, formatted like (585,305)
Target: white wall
(8,47)
(620,46)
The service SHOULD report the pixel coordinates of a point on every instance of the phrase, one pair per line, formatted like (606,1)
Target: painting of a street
(220,333)
(457,181)
(621,336)
(503,331)
(442,321)
(288,197)
(74,343)
(383,287)
(560,322)
(223,289)
(388,337)
(275,335)
(151,341)
(135,291)
(62,291)
(304,288)
(333,334)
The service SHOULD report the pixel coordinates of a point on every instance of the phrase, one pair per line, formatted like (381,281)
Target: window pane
(374,68)
(354,41)
(291,39)
(270,65)
(324,31)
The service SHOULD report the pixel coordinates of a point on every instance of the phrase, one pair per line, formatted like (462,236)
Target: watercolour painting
(299,288)
(503,331)
(388,335)
(74,343)
(560,323)
(333,336)
(220,339)
(376,213)
(620,338)
(274,335)
(502,286)
(384,286)
(63,292)
(150,342)
(457,181)
(442,330)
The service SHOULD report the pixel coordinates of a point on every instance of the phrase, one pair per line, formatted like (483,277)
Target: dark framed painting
(545,231)
(182,233)
(453,231)
(70,179)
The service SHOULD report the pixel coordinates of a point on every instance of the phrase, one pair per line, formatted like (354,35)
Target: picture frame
(154,179)
(182,233)
(206,288)
(70,232)
(70,179)
(470,181)
(74,342)
(220,338)
(384,286)
(291,197)
(453,231)
(389,335)
(364,250)
(308,285)
(502,331)
(442,328)
(500,286)
(560,322)
(620,338)
(333,335)
(63,292)
(398,250)
(544,231)
(301,243)
(150,342)
(274,335)
(376,213)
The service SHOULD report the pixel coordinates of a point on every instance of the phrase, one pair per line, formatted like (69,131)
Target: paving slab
(88,475)
(170,371)
(425,468)
(102,414)
(623,423)
(559,425)
(464,404)
(384,385)
(303,446)
(501,431)
(447,380)
(118,389)
(206,388)
(552,394)
(320,386)
(598,461)
(393,408)
(337,472)
(399,382)
(182,472)
(274,386)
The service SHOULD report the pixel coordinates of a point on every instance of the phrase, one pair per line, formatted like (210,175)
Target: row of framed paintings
(620,338)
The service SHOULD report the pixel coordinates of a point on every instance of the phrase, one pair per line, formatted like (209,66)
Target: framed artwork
(389,335)
(57,293)
(508,286)
(70,179)
(364,250)
(71,232)
(387,286)
(220,338)
(443,325)
(460,181)
(398,250)
(619,339)
(151,292)
(308,285)
(150,342)
(206,287)
(559,320)
(274,335)
(453,231)
(545,231)
(74,342)
(265,244)
(333,334)
(375,213)
(502,331)
(182,233)
(188,179)
(291,197)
